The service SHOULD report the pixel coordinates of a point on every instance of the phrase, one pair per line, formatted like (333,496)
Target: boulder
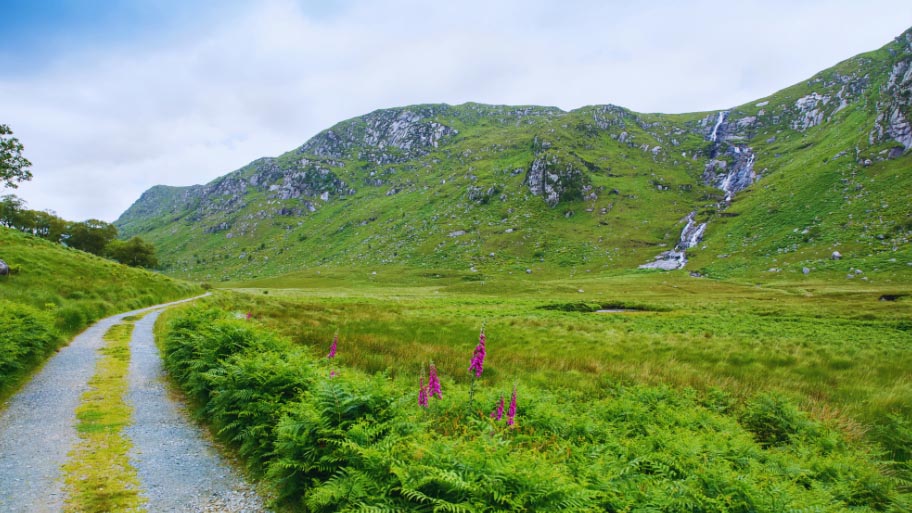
(4,269)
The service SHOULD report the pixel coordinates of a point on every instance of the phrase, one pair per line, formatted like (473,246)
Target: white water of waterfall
(712,136)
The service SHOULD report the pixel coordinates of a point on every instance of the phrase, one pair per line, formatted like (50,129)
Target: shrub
(772,420)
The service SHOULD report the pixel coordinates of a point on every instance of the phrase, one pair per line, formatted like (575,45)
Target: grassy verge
(56,292)
(99,477)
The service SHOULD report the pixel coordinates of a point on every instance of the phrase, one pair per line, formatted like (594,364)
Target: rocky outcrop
(383,136)
(892,122)
(732,172)
(555,179)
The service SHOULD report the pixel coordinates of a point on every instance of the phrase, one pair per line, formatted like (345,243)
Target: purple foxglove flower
(477,365)
(422,393)
(434,383)
(332,374)
(332,348)
(511,413)
(497,414)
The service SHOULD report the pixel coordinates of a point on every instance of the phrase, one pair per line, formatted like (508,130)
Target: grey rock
(555,180)
(836,255)
(4,268)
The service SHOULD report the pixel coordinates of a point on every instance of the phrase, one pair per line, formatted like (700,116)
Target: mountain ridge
(504,186)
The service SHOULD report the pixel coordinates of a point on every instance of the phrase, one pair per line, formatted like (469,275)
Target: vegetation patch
(331,438)
(98,475)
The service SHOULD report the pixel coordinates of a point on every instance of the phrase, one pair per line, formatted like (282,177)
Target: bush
(772,420)
(26,336)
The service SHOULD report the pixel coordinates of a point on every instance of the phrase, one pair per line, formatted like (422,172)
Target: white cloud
(102,126)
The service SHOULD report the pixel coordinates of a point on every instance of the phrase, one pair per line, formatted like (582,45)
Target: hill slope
(778,184)
(55,292)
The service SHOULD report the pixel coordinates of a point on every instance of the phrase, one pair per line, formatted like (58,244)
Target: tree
(10,206)
(91,236)
(14,168)
(134,252)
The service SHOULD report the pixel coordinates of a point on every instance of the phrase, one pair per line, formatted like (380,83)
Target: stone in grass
(4,269)
(836,255)
(805,270)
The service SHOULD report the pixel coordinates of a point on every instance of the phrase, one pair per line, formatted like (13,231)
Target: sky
(111,97)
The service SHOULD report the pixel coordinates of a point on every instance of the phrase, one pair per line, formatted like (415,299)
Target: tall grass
(344,441)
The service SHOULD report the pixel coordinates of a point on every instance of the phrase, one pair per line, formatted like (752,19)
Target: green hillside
(781,184)
(54,292)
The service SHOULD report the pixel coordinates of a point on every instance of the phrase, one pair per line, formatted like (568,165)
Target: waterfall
(676,258)
(712,135)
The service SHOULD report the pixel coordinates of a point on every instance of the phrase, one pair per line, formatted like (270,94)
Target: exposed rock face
(810,111)
(555,180)
(892,120)
(4,269)
(733,177)
(383,136)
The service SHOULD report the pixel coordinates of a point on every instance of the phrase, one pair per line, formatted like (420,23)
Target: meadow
(644,392)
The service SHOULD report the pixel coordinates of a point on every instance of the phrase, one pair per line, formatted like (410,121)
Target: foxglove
(422,393)
(434,383)
(511,413)
(497,414)
(477,365)
(332,348)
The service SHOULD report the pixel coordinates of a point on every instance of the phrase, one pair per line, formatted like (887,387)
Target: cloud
(102,124)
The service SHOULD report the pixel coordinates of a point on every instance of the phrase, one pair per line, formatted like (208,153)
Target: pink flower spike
(332,374)
(497,414)
(422,393)
(434,383)
(511,413)
(332,348)
(477,365)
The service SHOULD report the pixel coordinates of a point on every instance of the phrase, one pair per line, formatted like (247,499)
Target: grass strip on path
(98,475)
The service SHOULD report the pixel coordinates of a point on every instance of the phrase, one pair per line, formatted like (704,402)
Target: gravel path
(179,469)
(37,431)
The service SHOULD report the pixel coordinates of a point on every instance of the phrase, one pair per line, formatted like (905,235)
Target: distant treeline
(93,235)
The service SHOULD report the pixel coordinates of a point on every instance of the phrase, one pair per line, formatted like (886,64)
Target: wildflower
(422,393)
(332,348)
(249,315)
(478,356)
(332,374)
(511,413)
(497,414)
(434,383)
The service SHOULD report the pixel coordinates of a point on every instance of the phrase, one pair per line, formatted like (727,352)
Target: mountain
(777,185)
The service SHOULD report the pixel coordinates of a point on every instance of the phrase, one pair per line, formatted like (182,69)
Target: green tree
(134,252)
(10,207)
(14,168)
(91,236)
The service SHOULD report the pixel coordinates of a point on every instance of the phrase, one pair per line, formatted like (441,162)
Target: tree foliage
(14,168)
(134,252)
(91,236)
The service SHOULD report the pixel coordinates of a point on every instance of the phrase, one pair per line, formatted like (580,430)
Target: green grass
(55,292)
(98,474)
(834,348)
